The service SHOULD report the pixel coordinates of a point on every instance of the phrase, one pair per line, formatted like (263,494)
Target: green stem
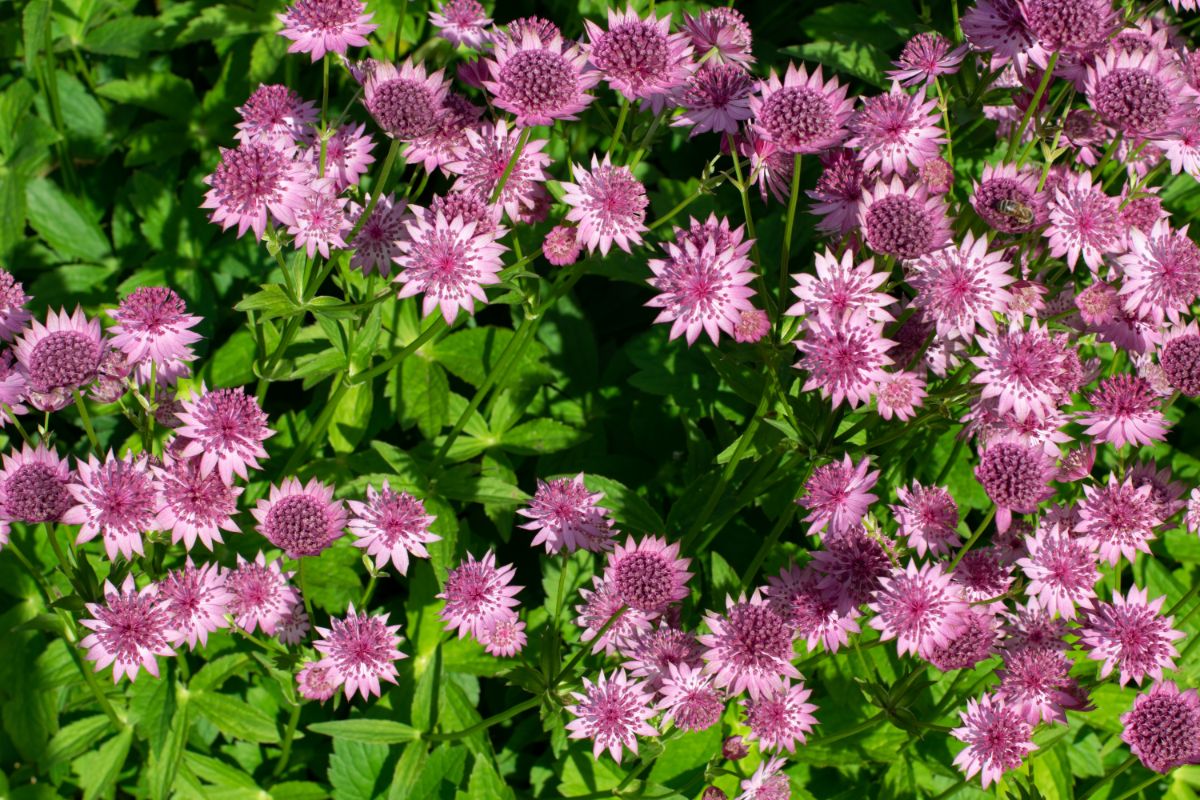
(324,115)
(304,591)
(1108,776)
(1146,784)
(285,751)
(620,127)
(431,330)
(866,724)
(1019,131)
(952,790)
(946,121)
(974,537)
(680,206)
(377,189)
(10,414)
(300,454)
(522,139)
(67,568)
(483,725)
(583,650)
(785,252)
(743,190)
(87,421)
(948,698)
(1109,151)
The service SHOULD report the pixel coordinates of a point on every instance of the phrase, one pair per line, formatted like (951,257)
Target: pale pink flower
(640,58)
(360,651)
(226,429)
(803,113)
(922,609)
(1119,517)
(274,114)
(895,131)
(319,220)
(390,526)
(1179,357)
(261,596)
(538,81)
(903,222)
(974,643)
(1131,635)
(254,184)
(1062,570)
(720,35)
(33,485)
(852,565)
(1036,684)
(689,699)
(439,146)
(650,654)
(193,505)
(1015,477)
(481,162)
(295,625)
(1163,727)
(195,602)
(129,631)
(612,712)
(839,191)
(377,243)
(838,494)
(566,516)
(1142,94)
(780,718)
(752,325)
(1078,27)
(767,783)
(449,262)
(924,57)
(814,610)
(609,205)
(1022,369)
(840,287)
(1161,273)
(114,499)
(996,26)
(1084,222)
(900,394)
(58,357)
(599,611)
(504,636)
(347,156)
(702,288)
(749,649)
(649,574)
(476,593)
(300,519)
(462,22)
(316,681)
(405,101)
(321,26)
(1007,198)
(960,286)
(561,247)
(1126,411)
(928,518)
(716,97)
(998,738)
(845,359)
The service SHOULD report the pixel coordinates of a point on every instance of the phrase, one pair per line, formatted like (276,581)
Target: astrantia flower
(316,681)
(461,22)
(1161,273)
(300,519)
(128,631)
(471,207)
(768,782)
(924,57)
(476,593)
(640,58)
(1163,727)
(922,609)
(193,505)
(1098,303)
(997,738)
(13,316)
(195,602)
(438,146)
(649,574)
(996,26)
(780,718)
(1192,518)
(1015,477)
(261,595)
(1179,358)
(975,641)
(1141,94)
(566,517)
(404,100)
(1182,151)
(1007,199)
(153,322)
(295,625)
(716,98)
(1036,684)
(852,565)
(1165,493)
(814,611)
(900,394)
(608,203)
(226,429)
(903,222)
(539,82)
(983,575)
(275,114)
(321,26)
(749,649)
(254,183)
(561,246)
(937,175)
(1033,627)
(1022,369)
(770,167)
(1130,635)
(959,287)
(844,359)
(896,130)
(376,245)
(482,161)
(928,518)
(347,156)
(720,35)
(58,357)
(651,653)
(114,499)
(840,287)
(360,651)
(601,605)
(838,494)
(390,526)
(448,262)
(504,636)
(1126,411)
(803,113)
(319,220)
(1084,221)
(702,288)
(612,712)
(689,699)
(1120,517)
(1062,571)
(33,485)
(1071,26)
(839,192)
(751,326)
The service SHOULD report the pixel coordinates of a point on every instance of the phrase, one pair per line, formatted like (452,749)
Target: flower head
(275,114)
(321,26)
(390,526)
(13,316)
(1015,477)
(1084,221)
(814,610)
(462,22)
(702,287)
(928,518)
(153,322)
(1072,26)
(1161,273)
(960,286)
(720,35)
(193,505)
(640,58)
(1022,369)
(360,651)
(561,247)
(114,499)
(1163,727)
(294,626)
(924,57)
(651,653)
(1062,571)
(504,636)
(477,593)
(261,596)
(1141,94)
(782,717)
(839,191)
(852,565)
(838,494)
(752,325)
(483,159)
(1125,410)
(377,243)
(749,649)
(128,631)
(896,130)
(803,113)
(768,782)
(195,602)
(439,146)
(1131,635)
(604,610)
(997,737)
(903,222)
(319,220)
(1007,199)
(540,81)
(59,357)
(1035,683)
(1179,358)
(900,394)
(1119,517)
(404,100)
(612,712)
(226,429)
(300,519)
(33,485)
(689,699)
(450,262)
(844,358)
(839,287)
(922,609)
(316,681)
(976,641)
(609,205)
(566,516)
(716,97)
(254,183)
(649,574)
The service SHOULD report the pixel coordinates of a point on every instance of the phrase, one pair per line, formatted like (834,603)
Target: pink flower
(896,130)
(928,518)
(33,485)
(612,712)
(803,113)
(1084,221)
(1130,634)
(377,243)
(853,565)
(1008,199)
(752,325)
(649,574)
(838,494)
(261,595)
(274,114)
(561,246)
(13,316)
(651,653)
(462,22)
(749,649)
(347,156)
(767,783)
(450,263)
(439,146)
(640,58)
(128,631)
(390,526)
(985,577)
(996,26)
(360,651)
(844,359)
(1032,627)
(192,505)
(702,287)
(600,605)
(195,602)
(1127,411)
(815,611)
(1015,477)
(609,205)
(59,357)
(1182,151)
(294,626)
(689,699)
(316,681)
(839,191)
(115,500)
(1022,369)
(254,183)
(538,81)
(1192,517)
(1076,27)
(900,394)
(404,100)
(320,26)
(924,57)
(301,520)
(922,609)
(974,643)
(840,287)
(319,220)
(1163,727)
(959,286)
(1179,358)
(1062,571)
(1098,303)
(482,160)
(716,97)
(781,718)
(720,35)
(997,737)
(504,637)
(1161,273)
(1120,518)
(1035,683)
(153,323)
(1142,94)
(226,429)
(903,222)
(477,593)
(566,517)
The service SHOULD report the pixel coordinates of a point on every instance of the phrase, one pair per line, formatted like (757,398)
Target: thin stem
(948,698)
(1019,131)
(400,29)
(304,591)
(503,716)
(377,189)
(785,252)
(285,751)
(974,537)
(616,136)
(866,724)
(950,791)
(1108,776)
(680,206)
(324,115)
(522,139)
(608,623)
(10,414)
(431,330)
(946,118)
(1146,784)
(749,217)
(67,568)
(87,420)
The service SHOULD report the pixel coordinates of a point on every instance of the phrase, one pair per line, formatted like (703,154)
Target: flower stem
(431,330)
(749,217)
(483,725)
(946,119)
(785,252)
(285,751)
(620,126)
(522,139)
(324,115)
(608,623)
(87,420)
(1019,131)
(974,537)
(376,189)
(866,724)
(1108,776)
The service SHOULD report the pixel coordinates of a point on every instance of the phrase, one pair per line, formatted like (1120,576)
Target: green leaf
(270,301)
(98,771)
(12,211)
(62,223)
(164,762)
(350,418)
(461,485)
(541,436)
(128,36)
(332,578)
(298,790)
(355,770)
(473,353)
(235,718)
(218,772)
(217,671)
(409,769)
(367,731)
(485,783)
(35,21)
(160,92)
(424,396)
(75,739)
(627,506)
(232,364)
(155,142)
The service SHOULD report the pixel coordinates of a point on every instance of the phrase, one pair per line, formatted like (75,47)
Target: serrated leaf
(627,506)
(161,92)
(219,670)
(355,770)
(235,718)
(98,771)
(60,221)
(75,739)
(424,396)
(368,731)
(541,436)
(473,353)
(129,36)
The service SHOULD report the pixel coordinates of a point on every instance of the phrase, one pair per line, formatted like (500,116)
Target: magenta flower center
(63,359)
(633,52)
(645,581)
(250,176)
(1134,99)
(35,493)
(298,524)
(1180,360)
(796,117)
(537,81)
(897,225)
(404,108)
(324,15)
